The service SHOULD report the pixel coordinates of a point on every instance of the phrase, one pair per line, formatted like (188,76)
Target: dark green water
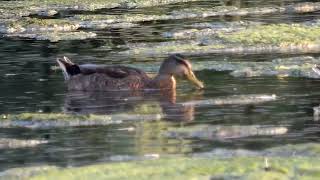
(28,84)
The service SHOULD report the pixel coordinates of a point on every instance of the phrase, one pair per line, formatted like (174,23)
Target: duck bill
(191,77)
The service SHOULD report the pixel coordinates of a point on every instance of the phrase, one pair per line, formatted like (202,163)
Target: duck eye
(182,62)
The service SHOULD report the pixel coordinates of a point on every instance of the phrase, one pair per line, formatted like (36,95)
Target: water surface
(29,84)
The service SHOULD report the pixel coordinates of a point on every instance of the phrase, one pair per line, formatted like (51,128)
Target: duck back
(108,78)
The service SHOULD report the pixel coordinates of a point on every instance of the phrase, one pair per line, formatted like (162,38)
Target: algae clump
(188,168)
(35,24)
(275,34)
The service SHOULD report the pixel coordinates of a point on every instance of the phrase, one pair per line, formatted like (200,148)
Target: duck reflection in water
(127,102)
(108,89)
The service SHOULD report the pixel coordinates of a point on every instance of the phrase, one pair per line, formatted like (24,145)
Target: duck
(95,77)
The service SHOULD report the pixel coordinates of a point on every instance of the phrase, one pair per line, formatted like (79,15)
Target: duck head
(178,66)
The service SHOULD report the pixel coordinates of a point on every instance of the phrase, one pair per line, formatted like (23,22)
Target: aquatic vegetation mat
(204,12)
(279,34)
(236,99)
(43,120)
(299,66)
(56,36)
(249,165)
(280,38)
(16,20)
(6,143)
(223,132)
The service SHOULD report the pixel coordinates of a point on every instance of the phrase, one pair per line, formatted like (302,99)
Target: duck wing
(105,78)
(118,72)
(91,77)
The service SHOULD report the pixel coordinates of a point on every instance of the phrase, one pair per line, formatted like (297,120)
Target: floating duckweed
(56,36)
(195,13)
(20,143)
(46,116)
(223,132)
(280,38)
(282,35)
(49,120)
(45,22)
(100,4)
(188,168)
(179,48)
(129,18)
(35,24)
(152,108)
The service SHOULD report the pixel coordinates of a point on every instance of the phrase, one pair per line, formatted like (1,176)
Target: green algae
(44,22)
(176,48)
(91,5)
(308,149)
(47,116)
(287,67)
(18,9)
(223,132)
(35,24)
(25,173)
(129,18)
(96,24)
(235,99)
(47,120)
(55,36)
(148,3)
(60,116)
(51,7)
(45,29)
(6,143)
(14,10)
(299,66)
(183,168)
(275,34)
(196,48)
(150,108)
(196,33)
(304,165)
(134,18)
(198,13)
(235,11)
(279,38)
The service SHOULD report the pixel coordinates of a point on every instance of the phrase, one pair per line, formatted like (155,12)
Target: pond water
(29,83)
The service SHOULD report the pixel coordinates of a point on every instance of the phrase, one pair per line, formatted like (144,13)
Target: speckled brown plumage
(110,79)
(89,77)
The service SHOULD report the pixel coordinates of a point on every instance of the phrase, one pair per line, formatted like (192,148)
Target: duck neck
(165,81)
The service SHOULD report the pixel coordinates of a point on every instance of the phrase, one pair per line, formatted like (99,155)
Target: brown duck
(91,77)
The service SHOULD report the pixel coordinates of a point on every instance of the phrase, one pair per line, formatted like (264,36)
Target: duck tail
(316,69)
(68,67)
